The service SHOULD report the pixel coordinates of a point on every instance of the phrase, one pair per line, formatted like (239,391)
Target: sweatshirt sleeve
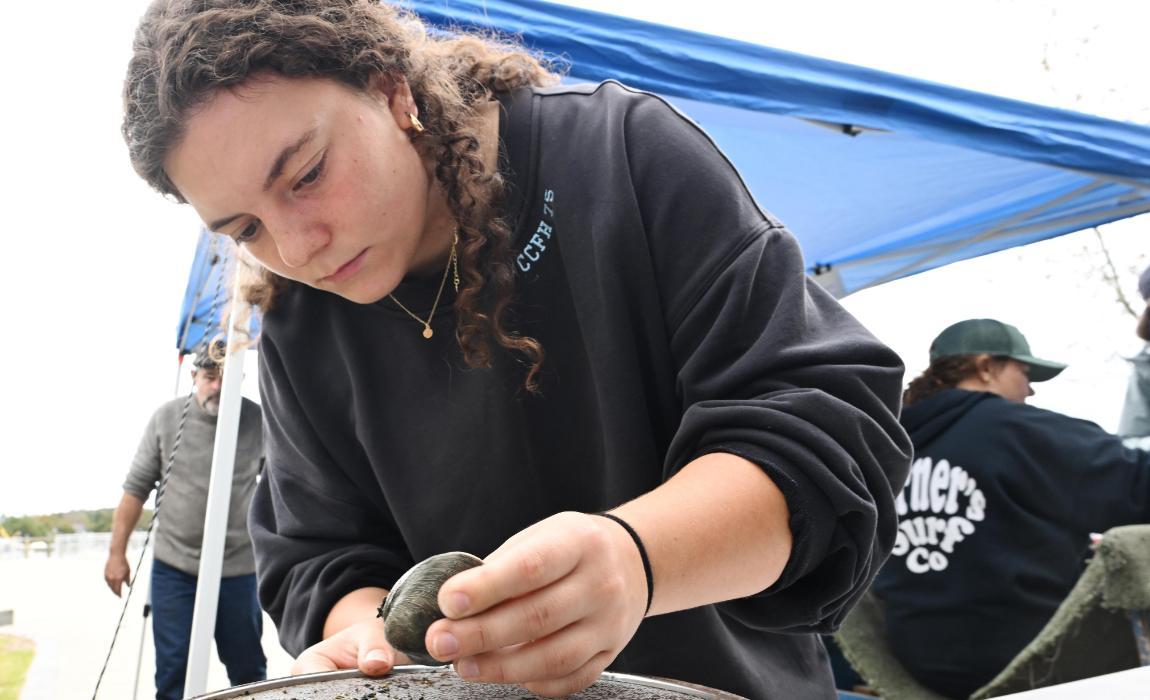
(1081,471)
(1135,418)
(317,537)
(772,369)
(144,474)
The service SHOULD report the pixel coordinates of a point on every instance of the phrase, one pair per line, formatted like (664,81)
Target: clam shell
(412,604)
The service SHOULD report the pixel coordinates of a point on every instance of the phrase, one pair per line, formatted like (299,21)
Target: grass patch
(15,658)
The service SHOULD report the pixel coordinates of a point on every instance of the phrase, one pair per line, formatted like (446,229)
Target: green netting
(1089,635)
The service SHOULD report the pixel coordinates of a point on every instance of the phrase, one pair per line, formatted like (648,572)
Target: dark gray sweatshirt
(677,321)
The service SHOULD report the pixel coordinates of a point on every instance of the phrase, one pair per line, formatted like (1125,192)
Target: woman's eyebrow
(285,155)
(218,224)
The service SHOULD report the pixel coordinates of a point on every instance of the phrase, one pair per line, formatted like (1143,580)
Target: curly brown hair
(186,50)
(944,373)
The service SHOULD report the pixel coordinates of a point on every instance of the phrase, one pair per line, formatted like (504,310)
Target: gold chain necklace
(452,264)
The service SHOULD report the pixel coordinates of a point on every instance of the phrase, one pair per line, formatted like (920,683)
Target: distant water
(60,601)
(74,545)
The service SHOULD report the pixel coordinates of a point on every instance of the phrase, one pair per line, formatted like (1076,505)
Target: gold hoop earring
(415,123)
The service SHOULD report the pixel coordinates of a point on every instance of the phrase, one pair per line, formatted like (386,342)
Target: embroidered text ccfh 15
(537,245)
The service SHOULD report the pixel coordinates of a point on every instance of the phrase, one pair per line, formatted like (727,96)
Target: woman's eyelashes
(248,233)
(312,175)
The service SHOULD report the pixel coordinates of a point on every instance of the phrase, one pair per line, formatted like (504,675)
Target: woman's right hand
(361,646)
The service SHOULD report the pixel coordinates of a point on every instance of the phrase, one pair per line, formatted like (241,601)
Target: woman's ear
(403,107)
(394,92)
(984,365)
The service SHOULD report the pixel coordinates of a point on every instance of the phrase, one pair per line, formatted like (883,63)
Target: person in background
(996,515)
(541,323)
(1134,423)
(181,503)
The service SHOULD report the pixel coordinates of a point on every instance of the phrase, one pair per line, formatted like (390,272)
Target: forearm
(718,530)
(355,607)
(124,520)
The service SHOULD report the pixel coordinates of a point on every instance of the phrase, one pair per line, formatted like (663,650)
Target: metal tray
(433,682)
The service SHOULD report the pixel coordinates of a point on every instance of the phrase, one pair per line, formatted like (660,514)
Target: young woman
(997,512)
(496,309)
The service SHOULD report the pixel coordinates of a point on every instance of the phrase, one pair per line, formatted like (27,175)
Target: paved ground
(63,605)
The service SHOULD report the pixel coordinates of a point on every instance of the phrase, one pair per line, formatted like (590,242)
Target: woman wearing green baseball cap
(982,354)
(995,517)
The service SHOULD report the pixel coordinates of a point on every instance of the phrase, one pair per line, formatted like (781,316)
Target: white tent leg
(219,495)
(140,652)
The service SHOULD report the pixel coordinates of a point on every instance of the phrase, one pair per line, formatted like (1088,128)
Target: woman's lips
(349,268)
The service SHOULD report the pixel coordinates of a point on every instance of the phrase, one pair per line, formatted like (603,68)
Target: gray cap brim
(1040,370)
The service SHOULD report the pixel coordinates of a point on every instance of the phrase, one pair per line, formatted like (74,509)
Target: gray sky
(98,262)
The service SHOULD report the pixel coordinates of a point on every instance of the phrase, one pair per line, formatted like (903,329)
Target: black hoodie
(994,528)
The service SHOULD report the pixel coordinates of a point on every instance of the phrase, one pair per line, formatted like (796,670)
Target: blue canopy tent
(206,297)
(206,294)
(879,176)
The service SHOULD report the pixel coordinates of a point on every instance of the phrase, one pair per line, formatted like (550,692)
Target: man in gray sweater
(181,504)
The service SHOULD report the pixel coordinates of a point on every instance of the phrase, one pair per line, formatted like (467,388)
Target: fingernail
(378,655)
(445,645)
(457,604)
(467,668)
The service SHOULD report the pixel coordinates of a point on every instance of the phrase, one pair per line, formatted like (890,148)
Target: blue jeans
(846,678)
(239,625)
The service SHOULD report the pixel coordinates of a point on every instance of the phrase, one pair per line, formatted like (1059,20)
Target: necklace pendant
(427,333)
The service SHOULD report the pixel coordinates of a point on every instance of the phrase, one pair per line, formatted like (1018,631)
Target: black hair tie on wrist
(642,555)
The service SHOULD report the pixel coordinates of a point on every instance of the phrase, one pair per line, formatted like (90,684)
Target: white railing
(77,544)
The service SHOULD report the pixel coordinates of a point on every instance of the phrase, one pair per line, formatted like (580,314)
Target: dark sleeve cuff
(303,571)
(828,569)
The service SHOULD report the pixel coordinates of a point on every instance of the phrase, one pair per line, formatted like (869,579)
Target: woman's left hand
(549,609)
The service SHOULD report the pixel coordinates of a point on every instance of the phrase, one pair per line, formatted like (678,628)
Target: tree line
(64,523)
